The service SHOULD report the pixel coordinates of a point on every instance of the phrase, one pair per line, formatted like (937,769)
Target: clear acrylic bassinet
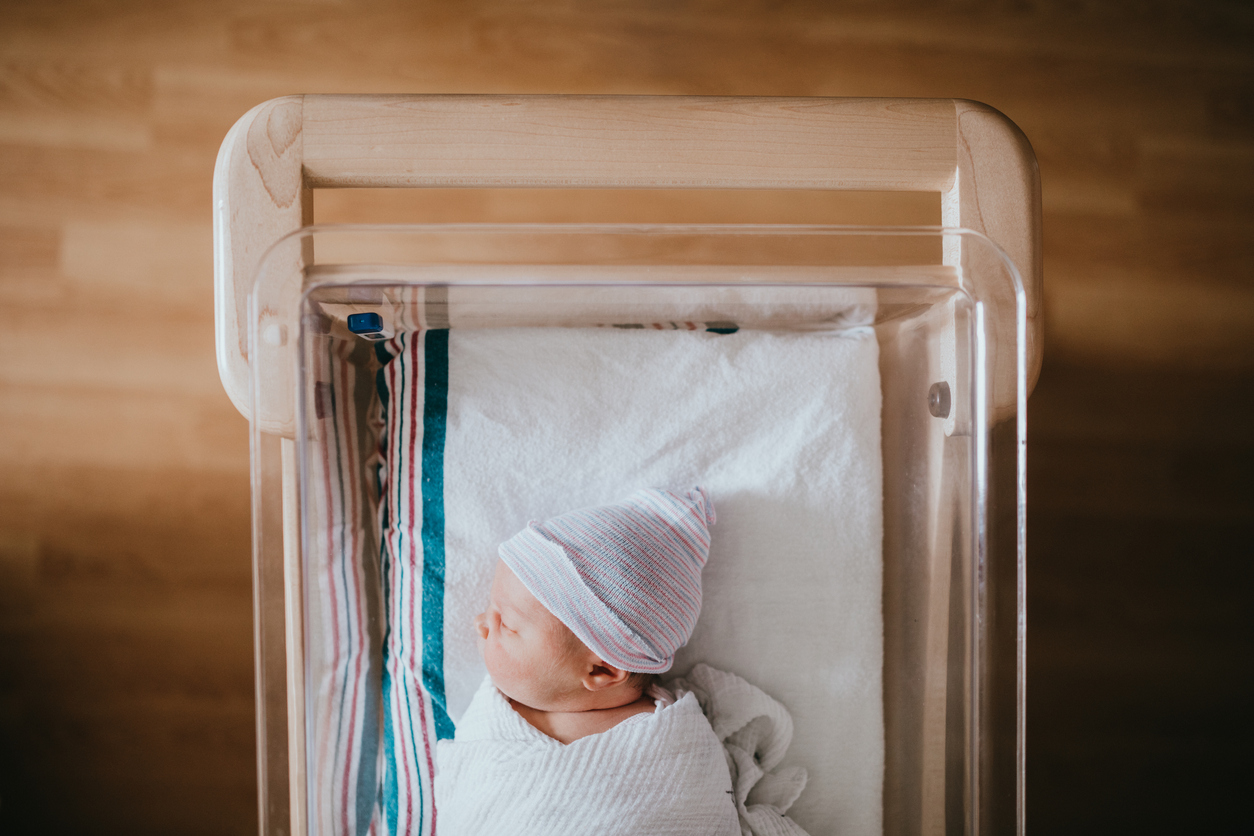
(954,323)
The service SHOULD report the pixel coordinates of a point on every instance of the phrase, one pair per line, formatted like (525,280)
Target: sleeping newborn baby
(570,732)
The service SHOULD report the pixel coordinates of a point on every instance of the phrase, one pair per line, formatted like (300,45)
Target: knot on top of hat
(624,577)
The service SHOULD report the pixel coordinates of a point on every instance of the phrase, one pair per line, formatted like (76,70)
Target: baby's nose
(481,625)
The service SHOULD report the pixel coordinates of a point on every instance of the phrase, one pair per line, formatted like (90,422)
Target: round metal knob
(938,400)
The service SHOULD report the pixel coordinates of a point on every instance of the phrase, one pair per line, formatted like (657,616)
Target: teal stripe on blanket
(391,780)
(393,767)
(434,423)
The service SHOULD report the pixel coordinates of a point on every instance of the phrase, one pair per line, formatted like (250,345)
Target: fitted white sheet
(782,428)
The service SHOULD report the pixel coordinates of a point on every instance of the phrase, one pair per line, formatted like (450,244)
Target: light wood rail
(281,150)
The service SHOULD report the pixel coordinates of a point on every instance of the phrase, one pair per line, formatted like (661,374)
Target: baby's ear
(603,675)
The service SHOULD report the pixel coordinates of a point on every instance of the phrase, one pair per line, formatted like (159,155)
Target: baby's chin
(507,685)
(520,695)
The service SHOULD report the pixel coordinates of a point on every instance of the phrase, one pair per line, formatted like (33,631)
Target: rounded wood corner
(1001,198)
(258,197)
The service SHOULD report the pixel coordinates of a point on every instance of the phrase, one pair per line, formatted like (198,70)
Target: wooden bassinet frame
(280,151)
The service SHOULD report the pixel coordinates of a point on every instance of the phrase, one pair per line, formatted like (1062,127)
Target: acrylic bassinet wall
(953,559)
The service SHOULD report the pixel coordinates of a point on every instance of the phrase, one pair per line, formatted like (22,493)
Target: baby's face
(533,657)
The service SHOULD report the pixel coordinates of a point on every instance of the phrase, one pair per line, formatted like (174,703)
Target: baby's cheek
(502,668)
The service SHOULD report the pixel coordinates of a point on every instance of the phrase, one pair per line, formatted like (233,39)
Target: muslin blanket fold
(755,731)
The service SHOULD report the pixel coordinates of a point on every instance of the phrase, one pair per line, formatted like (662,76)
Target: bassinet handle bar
(279,151)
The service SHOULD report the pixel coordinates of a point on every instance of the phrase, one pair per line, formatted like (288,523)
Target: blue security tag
(365,323)
(369,326)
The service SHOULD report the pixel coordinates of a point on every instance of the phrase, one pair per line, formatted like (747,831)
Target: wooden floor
(126,695)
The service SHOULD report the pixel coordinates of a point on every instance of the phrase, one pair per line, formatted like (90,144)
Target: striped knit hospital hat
(626,577)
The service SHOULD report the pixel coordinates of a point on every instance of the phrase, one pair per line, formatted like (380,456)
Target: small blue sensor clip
(368,325)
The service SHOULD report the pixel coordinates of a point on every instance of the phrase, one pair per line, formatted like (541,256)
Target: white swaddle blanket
(698,766)
(661,773)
